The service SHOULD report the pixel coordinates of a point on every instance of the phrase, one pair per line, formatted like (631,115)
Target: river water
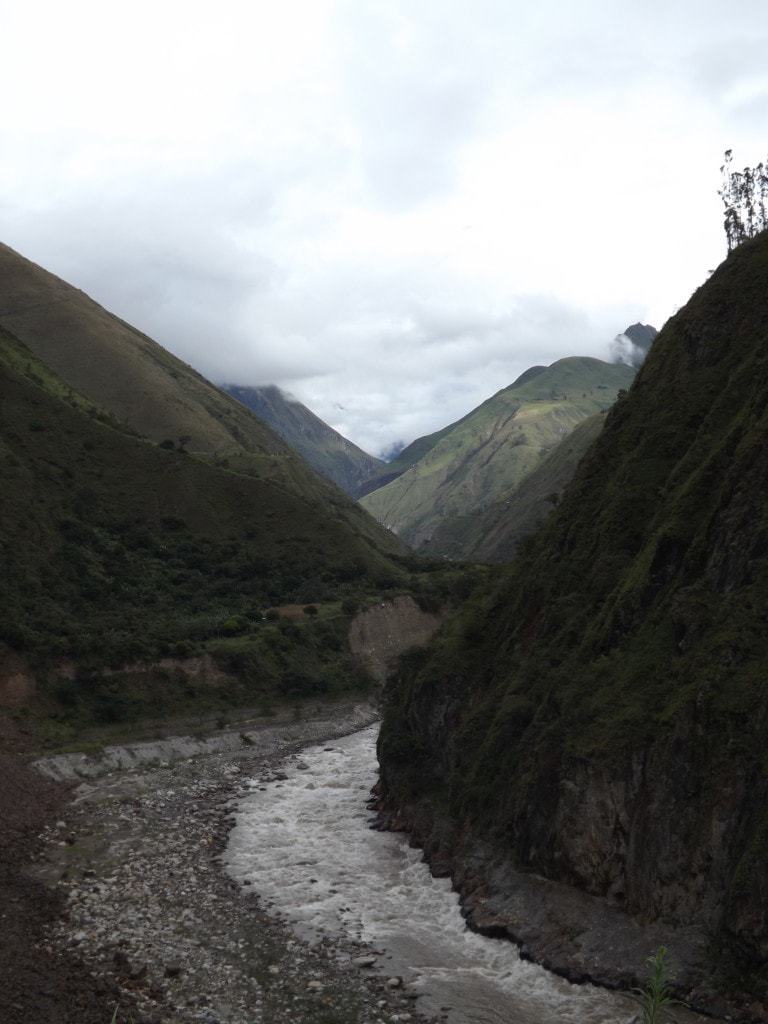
(305,846)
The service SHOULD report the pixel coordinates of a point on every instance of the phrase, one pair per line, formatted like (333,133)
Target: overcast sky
(389,208)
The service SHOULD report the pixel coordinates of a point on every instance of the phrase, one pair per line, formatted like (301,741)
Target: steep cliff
(600,718)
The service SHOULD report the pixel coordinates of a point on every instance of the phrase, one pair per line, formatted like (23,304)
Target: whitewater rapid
(304,844)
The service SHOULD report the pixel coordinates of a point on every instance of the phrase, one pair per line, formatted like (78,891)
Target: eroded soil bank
(152,915)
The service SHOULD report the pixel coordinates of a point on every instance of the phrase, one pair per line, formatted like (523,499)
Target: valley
(383,597)
(184,621)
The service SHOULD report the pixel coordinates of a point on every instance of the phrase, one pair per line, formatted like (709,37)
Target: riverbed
(304,843)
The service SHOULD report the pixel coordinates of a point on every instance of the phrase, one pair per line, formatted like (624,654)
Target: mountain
(471,463)
(409,456)
(589,737)
(128,374)
(148,390)
(144,516)
(332,455)
(634,344)
(493,534)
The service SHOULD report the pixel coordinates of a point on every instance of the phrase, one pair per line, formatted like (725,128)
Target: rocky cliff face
(599,719)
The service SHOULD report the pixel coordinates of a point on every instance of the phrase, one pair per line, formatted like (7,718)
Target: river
(304,844)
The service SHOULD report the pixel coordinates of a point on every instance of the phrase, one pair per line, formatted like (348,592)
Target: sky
(390,208)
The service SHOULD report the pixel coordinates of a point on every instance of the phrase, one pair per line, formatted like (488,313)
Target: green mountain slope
(600,717)
(324,448)
(494,533)
(492,449)
(149,390)
(124,371)
(115,550)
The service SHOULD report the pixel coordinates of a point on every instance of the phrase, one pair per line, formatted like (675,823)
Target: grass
(655,997)
(491,451)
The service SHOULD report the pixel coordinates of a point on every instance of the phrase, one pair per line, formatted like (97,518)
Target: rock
(394,982)
(314,986)
(363,961)
(173,969)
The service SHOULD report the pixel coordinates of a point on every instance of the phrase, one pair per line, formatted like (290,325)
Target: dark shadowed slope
(601,718)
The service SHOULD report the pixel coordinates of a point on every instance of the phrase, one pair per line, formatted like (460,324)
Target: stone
(394,982)
(363,961)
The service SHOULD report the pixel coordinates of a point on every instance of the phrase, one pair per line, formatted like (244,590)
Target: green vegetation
(493,534)
(656,997)
(626,646)
(332,455)
(409,456)
(116,551)
(122,560)
(485,456)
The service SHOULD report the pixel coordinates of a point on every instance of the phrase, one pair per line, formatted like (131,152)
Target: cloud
(388,209)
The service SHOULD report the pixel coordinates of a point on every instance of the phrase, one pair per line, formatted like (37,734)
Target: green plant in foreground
(656,997)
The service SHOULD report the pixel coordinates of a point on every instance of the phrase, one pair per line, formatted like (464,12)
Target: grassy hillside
(490,451)
(417,449)
(332,455)
(600,717)
(127,373)
(493,534)
(115,550)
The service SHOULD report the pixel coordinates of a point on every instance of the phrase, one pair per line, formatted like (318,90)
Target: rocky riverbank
(151,912)
(578,936)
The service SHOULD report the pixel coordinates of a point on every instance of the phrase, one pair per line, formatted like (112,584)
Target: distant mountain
(472,463)
(324,448)
(633,345)
(493,534)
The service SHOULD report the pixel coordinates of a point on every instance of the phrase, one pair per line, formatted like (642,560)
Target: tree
(744,195)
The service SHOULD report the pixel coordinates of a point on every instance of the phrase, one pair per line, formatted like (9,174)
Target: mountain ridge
(597,718)
(491,449)
(325,449)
